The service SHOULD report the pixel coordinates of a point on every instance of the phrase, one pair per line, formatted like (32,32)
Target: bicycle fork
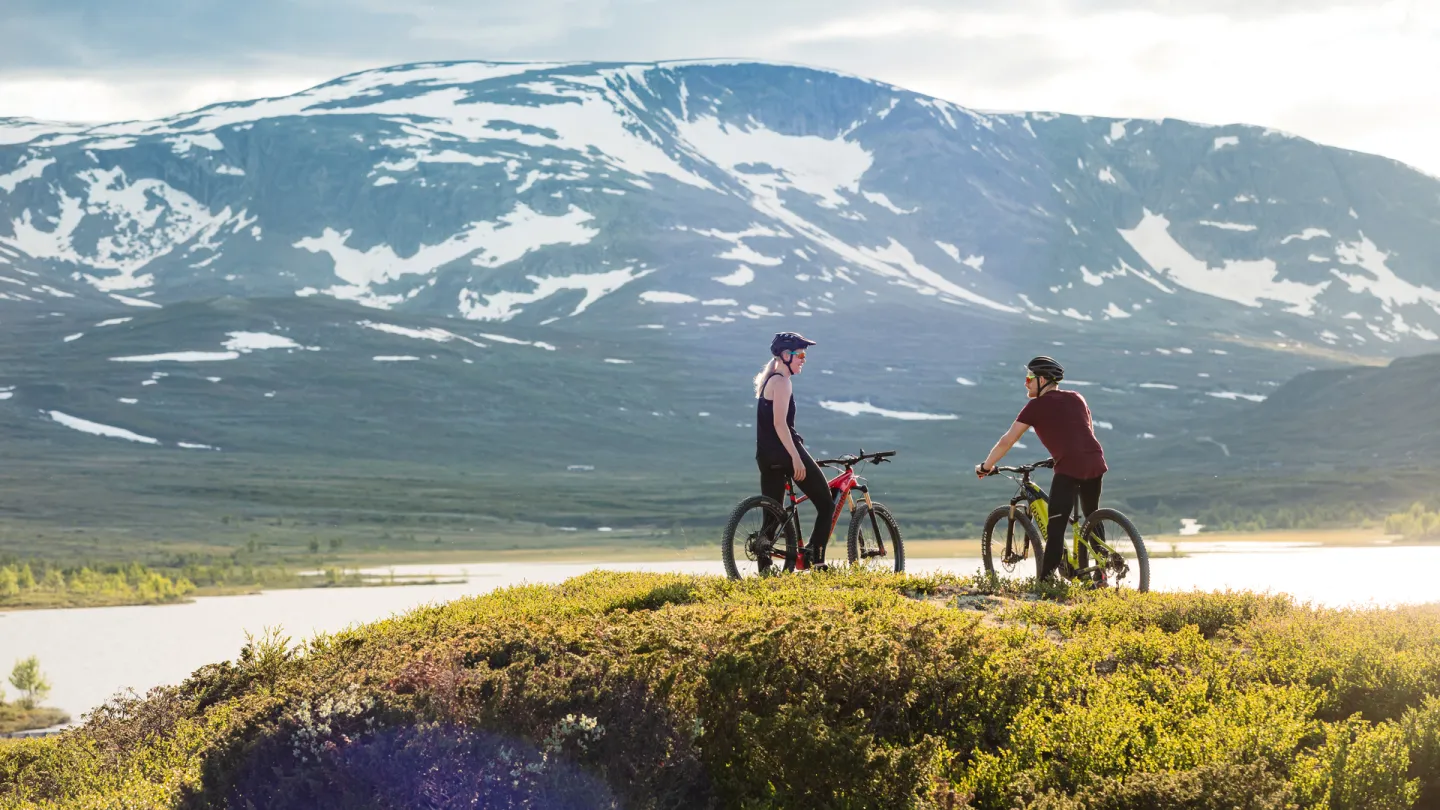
(879,550)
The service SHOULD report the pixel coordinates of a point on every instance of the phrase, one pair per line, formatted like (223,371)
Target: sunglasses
(1029,375)
(800,354)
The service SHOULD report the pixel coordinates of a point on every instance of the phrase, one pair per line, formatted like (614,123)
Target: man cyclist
(1062,421)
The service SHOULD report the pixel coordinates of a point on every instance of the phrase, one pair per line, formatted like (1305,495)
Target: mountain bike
(1029,512)
(767,538)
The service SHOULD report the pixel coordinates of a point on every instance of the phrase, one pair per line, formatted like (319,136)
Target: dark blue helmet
(788,342)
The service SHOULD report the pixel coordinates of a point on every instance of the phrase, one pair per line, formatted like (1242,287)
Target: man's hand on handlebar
(981,472)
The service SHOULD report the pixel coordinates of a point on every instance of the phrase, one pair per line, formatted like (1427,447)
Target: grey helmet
(1046,367)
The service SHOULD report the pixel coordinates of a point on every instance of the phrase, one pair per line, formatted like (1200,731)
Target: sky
(1357,74)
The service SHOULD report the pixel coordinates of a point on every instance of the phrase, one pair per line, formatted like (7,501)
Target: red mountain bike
(767,536)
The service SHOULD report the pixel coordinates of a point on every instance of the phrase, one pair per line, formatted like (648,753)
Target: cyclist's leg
(1063,490)
(1090,494)
(772,486)
(816,487)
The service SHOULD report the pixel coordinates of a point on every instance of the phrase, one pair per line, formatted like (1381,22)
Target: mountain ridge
(559,264)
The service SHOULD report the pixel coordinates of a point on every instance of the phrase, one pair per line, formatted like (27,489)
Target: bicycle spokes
(758,540)
(1116,552)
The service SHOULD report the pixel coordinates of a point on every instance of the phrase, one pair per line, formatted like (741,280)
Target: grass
(848,689)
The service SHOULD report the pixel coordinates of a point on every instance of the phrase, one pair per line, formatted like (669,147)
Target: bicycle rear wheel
(861,544)
(1127,564)
(1008,540)
(758,539)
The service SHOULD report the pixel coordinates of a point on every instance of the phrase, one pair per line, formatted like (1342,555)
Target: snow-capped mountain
(582,264)
(708,192)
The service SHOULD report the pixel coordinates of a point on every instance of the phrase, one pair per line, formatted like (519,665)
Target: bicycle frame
(1037,503)
(841,487)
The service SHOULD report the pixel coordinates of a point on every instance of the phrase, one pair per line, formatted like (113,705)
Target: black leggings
(1063,490)
(772,485)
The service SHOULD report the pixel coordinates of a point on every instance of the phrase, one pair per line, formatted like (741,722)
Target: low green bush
(840,690)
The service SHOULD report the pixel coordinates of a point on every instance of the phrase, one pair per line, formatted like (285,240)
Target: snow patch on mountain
(896,255)
(858,408)
(1382,281)
(742,276)
(1229,226)
(29,169)
(246,342)
(819,167)
(433,333)
(494,243)
(884,202)
(178,357)
(182,144)
(662,297)
(744,253)
(504,305)
(1242,281)
(98,429)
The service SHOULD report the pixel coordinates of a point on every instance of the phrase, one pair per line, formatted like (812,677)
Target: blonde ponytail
(763,376)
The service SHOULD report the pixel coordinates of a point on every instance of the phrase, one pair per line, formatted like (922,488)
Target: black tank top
(768,446)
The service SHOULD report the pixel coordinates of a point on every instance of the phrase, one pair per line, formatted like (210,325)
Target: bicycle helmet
(1046,367)
(788,342)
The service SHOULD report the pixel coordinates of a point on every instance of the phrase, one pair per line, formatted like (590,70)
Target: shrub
(840,690)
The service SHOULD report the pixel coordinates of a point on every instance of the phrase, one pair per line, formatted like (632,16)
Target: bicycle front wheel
(758,539)
(1008,540)
(1117,551)
(875,543)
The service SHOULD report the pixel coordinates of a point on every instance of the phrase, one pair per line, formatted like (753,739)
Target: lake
(89,654)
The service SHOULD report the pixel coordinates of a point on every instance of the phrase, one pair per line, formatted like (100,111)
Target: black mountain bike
(767,535)
(1107,537)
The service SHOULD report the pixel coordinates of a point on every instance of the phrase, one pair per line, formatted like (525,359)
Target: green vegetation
(45,585)
(1416,523)
(26,713)
(26,677)
(834,690)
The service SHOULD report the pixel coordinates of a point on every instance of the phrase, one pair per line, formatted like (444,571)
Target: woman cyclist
(779,451)
(1062,421)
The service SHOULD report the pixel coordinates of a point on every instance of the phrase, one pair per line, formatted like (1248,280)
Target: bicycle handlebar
(1025,469)
(850,461)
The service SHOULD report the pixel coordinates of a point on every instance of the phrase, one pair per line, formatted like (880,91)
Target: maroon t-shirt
(1062,421)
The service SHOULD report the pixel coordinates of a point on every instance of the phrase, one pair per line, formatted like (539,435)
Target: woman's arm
(1003,446)
(782,429)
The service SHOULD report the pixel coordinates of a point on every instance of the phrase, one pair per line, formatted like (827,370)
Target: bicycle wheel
(1018,540)
(861,544)
(758,535)
(1127,565)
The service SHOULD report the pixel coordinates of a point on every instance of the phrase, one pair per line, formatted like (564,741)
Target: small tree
(27,678)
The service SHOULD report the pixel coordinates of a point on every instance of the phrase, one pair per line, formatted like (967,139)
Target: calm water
(90,654)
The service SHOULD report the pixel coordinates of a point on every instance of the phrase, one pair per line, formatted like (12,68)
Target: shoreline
(939,548)
(1159,546)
